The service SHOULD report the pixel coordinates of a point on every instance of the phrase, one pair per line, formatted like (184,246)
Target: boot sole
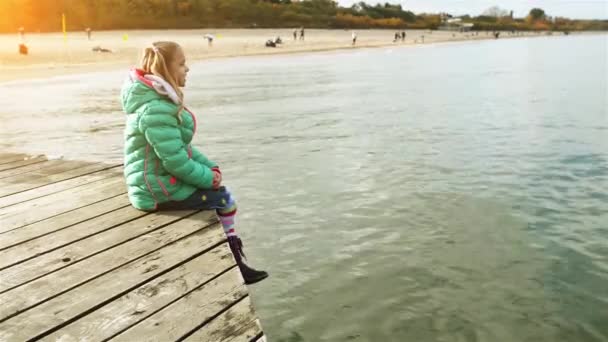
(256,280)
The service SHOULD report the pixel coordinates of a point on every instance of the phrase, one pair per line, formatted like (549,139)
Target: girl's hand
(217,178)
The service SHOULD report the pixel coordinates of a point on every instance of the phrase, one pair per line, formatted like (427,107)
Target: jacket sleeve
(163,134)
(199,157)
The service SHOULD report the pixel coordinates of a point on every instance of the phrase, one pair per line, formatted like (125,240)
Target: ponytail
(156,60)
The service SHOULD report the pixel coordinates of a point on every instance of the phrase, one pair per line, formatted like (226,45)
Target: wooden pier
(78,263)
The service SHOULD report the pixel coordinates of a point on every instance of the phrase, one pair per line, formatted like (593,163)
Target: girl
(162,169)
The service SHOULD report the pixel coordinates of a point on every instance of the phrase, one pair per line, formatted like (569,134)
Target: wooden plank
(48,226)
(45,175)
(21,163)
(137,305)
(12,157)
(29,212)
(49,166)
(98,281)
(61,238)
(21,192)
(33,293)
(227,326)
(249,332)
(77,252)
(191,311)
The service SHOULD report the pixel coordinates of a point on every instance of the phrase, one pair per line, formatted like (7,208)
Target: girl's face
(178,67)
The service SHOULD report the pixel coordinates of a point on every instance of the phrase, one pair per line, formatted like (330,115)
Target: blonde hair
(156,60)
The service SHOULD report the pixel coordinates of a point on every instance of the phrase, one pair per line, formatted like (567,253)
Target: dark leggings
(220,200)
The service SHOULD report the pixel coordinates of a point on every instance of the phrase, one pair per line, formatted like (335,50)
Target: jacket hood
(141,88)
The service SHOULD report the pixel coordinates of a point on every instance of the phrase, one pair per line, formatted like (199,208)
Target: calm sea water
(454,192)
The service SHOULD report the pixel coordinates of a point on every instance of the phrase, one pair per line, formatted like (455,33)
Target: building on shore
(455,24)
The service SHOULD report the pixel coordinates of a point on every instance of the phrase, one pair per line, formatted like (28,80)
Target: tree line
(45,16)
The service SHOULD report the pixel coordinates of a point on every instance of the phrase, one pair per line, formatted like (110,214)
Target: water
(455,192)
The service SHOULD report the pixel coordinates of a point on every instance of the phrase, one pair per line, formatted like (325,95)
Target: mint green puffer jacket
(160,164)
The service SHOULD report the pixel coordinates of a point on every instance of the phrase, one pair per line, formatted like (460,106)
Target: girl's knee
(228,201)
(231,204)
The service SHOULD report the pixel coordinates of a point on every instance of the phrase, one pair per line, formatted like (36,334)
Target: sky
(576,9)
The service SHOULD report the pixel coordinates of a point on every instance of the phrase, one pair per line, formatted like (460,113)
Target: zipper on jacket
(162,186)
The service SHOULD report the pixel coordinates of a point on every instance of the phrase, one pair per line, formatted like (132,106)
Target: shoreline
(75,56)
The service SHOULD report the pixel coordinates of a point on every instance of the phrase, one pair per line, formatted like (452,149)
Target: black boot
(250,275)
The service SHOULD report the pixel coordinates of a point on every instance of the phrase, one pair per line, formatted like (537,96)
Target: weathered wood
(48,174)
(189,312)
(12,157)
(138,304)
(261,339)
(29,212)
(49,167)
(48,226)
(228,325)
(21,192)
(21,163)
(25,169)
(81,250)
(33,293)
(247,333)
(78,263)
(108,283)
(64,237)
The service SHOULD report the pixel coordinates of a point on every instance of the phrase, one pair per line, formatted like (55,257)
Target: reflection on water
(443,193)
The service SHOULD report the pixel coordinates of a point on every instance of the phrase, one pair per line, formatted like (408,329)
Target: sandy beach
(49,54)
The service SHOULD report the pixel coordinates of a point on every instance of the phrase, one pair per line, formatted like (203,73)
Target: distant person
(23,49)
(402,36)
(397,37)
(295,34)
(209,38)
(163,171)
(302,33)
(354,36)
(88,31)
(100,49)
